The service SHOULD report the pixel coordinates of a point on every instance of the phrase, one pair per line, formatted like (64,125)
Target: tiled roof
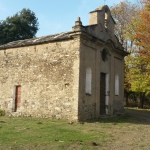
(37,40)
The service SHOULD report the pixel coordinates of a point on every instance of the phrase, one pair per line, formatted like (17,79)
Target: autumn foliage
(142,35)
(133,31)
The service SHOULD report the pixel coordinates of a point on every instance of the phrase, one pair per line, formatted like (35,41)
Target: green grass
(46,133)
(22,133)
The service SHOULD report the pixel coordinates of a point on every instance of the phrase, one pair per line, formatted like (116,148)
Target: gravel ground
(133,136)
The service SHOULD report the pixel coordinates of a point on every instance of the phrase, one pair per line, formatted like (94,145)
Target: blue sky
(55,16)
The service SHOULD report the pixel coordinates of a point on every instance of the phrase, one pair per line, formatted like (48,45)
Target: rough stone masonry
(60,76)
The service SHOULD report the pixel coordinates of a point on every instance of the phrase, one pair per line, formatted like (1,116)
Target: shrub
(2,112)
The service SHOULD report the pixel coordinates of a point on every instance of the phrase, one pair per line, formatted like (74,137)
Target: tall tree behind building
(142,37)
(142,34)
(133,31)
(125,15)
(22,25)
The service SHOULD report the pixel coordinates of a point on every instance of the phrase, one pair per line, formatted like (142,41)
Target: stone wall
(48,75)
(52,75)
(88,58)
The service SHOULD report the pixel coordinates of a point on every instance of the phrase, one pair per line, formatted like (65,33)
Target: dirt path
(135,135)
(139,113)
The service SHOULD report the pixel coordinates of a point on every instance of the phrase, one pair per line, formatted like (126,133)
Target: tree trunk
(141,100)
(127,97)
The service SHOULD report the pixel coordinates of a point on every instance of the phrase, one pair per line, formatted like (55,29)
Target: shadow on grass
(134,116)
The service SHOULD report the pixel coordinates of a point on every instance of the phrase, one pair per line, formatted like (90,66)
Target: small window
(117,85)
(88,84)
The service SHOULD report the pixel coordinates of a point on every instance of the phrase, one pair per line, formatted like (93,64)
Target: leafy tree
(142,37)
(125,15)
(139,76)
(133,31)
(142,34)
(22,25)
(1,34)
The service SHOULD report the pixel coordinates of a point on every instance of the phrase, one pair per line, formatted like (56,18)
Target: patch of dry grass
(112,133)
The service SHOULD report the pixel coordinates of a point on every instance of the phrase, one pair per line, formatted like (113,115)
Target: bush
(2,112)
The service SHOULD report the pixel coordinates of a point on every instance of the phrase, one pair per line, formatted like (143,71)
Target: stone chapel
(75,75)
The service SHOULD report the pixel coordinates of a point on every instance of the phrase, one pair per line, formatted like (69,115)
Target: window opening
(88,84)
(117,85)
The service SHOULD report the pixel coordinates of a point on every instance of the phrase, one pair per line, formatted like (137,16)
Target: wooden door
(17,97)
(102,93)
